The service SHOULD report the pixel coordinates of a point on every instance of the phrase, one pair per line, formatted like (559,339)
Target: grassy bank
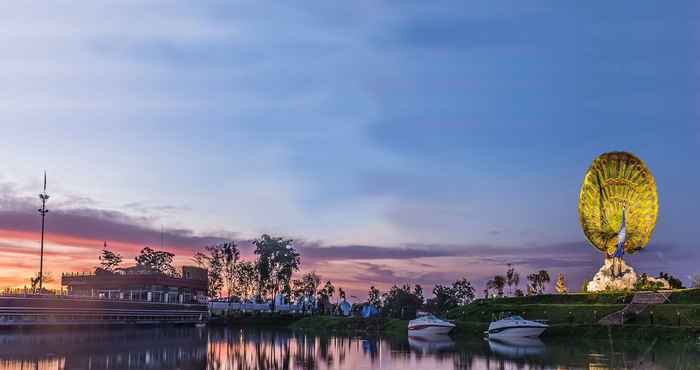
(256,319)
(467,329)
(352,325)
(581,310)
(570,315)
(485,311)
(577,315)
(628,332)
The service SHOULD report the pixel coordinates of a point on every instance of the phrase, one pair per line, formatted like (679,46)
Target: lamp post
(43,211)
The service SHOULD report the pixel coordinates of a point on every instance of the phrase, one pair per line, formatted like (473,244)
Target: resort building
(139,283)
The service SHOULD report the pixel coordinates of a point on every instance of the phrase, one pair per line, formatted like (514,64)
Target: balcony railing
(18,292)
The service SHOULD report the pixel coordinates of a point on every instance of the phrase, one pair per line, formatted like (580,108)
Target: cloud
(365,252)
(95,224)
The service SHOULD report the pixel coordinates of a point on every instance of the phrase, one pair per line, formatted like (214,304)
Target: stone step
(640,302)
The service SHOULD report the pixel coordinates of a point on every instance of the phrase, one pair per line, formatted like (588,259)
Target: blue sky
(389,124)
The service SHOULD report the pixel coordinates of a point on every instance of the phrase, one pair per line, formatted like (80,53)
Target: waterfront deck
(40,310)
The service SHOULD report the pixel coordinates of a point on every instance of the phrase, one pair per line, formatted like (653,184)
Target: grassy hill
(578,314)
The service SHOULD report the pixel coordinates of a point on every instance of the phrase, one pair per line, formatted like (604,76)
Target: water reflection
(246,348)
(99,349)
(517,347)
(426,344)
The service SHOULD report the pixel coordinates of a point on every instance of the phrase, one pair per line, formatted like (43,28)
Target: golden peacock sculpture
(618,204)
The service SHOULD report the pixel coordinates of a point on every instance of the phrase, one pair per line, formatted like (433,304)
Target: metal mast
(43,211)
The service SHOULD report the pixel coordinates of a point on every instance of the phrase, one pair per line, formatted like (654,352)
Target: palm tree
(512,278)
(499,283)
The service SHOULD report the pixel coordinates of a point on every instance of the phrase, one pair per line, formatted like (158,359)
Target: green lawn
(585,308)
(484,312)
(337,324)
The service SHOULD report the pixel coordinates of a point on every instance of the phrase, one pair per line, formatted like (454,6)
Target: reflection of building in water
(148,348)
(24,364)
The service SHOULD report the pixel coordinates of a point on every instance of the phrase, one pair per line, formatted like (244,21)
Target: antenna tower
(43,211)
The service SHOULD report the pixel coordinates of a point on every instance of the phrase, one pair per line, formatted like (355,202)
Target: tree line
(271,272)
(277,260)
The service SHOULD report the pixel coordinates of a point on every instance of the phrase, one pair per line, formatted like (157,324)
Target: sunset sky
(395,141)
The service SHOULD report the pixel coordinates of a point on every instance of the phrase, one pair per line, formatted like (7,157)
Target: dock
(50,310)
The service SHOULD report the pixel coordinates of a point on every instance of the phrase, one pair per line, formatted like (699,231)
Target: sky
(395,141)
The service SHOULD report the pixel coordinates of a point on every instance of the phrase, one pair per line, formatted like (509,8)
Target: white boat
(429,325)
(515,326)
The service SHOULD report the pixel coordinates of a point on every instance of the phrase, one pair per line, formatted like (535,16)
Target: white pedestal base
(614,275)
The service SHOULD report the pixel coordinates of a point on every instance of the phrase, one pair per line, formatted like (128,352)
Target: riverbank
(570,315)
(590,331)
(262,319)
(682,309)
(352,325)
(465,329)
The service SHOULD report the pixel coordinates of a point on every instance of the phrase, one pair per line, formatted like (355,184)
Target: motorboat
(429,325)
(515,326)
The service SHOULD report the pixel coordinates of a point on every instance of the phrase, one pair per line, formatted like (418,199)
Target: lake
(253,348)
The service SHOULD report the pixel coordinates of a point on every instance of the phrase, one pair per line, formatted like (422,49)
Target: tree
(109,260)
(496,284)
(463,291)
(212,259)
(499,282)
(328,289)
(341,294)
(519,293)
(489,286)
(277,260)
(230,254)
(561,284)
(401,303)
(674,282)
(245,279)
(444,299)
(46,278)
(532,286)
(374,297)
(695,281)
(544,280)
(512,278)
(160,261)
(311,282)
(304,290)
(325,296)
(584,286)
(538,282)
(418,292)
(644,283)
(297,291)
